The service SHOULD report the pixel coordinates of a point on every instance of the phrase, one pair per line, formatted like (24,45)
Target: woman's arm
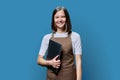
(42,61)
(78,67)
(53,62)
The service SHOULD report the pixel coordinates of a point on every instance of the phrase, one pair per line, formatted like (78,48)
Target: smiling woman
(60,20)
(71,48)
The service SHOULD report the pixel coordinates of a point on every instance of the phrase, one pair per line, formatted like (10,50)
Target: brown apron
(67,71)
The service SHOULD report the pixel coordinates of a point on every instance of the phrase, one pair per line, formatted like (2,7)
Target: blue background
(23,23)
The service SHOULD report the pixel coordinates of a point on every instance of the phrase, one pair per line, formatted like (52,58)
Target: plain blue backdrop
(23,23)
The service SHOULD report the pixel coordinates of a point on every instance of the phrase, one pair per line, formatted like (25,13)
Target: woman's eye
(56,17)
(63,16)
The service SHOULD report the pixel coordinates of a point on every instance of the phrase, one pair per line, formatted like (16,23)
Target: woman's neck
(60,31)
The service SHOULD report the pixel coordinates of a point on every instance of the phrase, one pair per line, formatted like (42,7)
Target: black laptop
(54,49)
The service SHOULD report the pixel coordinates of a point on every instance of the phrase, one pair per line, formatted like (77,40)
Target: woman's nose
(60,19)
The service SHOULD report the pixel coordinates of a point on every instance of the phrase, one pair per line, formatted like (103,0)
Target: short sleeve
(77,43)
(44,44)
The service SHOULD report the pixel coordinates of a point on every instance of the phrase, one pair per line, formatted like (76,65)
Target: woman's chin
(60,26)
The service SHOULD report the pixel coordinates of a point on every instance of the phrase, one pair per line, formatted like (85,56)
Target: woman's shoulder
(75,34)
(47,36)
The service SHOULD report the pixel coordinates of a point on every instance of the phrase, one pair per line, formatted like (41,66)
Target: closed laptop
(54,49)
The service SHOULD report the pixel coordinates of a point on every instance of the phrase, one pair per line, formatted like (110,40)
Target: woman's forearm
(42,61)
(53,62)
(79,72)
(78,67)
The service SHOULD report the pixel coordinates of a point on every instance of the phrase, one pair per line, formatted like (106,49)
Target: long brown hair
(68,22)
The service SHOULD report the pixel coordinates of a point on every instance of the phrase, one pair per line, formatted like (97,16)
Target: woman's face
(60,19)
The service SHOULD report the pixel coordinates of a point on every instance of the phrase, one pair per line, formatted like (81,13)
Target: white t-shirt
(75,38)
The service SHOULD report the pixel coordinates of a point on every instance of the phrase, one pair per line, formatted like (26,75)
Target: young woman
(70,63)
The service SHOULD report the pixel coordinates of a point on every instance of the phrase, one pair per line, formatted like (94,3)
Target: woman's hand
(55,62)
